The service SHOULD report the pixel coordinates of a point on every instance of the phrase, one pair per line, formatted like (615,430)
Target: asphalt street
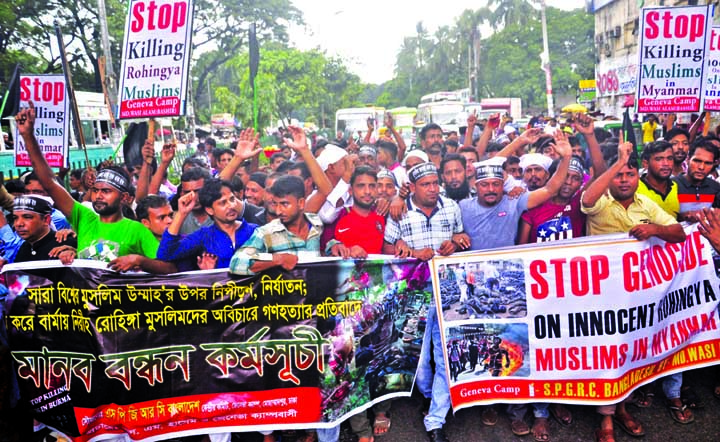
(465,425)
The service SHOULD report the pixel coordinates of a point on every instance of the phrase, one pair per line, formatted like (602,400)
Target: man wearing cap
(431,225)
(387,186)
(103,234)
(492,218)
(560,217)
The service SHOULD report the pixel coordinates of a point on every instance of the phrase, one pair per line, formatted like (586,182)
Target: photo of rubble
(483,289)
(487,350)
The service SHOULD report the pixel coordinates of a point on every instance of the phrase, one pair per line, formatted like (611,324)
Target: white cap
(331,155)
(417,153)
(509,129)
(530,159)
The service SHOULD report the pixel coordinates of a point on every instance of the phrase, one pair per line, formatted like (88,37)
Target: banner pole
(71,94)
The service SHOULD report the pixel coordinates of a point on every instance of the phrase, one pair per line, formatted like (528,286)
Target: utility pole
(545,65)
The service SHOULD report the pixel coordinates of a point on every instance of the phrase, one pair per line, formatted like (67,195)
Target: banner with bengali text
(100,353)
(583,321)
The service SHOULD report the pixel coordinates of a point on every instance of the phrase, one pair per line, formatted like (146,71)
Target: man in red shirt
(359,230)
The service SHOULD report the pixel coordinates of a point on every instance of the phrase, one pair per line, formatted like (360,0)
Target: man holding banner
(613,205)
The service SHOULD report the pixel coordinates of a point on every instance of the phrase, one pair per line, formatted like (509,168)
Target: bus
(351,120)
(404,121)
(447,114)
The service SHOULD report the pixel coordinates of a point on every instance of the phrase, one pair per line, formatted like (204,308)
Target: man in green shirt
(103,234)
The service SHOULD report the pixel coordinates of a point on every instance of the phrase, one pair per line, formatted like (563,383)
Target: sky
(368,34)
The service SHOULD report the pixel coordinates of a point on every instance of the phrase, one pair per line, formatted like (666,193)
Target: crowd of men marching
(491,186)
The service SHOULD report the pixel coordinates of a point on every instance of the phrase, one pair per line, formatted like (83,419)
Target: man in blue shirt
(211,246)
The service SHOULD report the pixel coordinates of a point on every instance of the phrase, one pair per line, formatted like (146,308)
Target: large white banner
(52,118)
(673,44)
(156,58)
(582,321)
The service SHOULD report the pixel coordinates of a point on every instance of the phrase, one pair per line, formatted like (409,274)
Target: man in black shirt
(32,223)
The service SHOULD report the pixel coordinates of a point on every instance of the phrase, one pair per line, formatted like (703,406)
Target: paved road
(465,426)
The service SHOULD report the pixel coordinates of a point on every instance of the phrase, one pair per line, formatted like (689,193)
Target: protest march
(280,282)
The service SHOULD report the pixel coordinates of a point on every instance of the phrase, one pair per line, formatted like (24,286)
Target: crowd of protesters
(493,185)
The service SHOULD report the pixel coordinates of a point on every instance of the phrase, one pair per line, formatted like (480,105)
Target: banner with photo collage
(101,353)
(583,321)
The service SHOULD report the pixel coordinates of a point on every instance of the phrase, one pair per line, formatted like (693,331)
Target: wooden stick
(151,136)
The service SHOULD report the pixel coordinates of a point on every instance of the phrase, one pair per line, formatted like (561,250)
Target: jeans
(434,386)
(517,411)
(328,434)
(671,385)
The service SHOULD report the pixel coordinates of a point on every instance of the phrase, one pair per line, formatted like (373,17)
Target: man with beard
(211,246)
(679,138)
(492,218)
(695,189)
(535,170)
(103,234)
(455,183)
(613,205)
(657,160)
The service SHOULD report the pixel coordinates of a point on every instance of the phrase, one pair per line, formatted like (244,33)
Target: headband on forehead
(576,165)
(387,174)
(421,171)
(112,178)
(32,204)
(368,150)
(487,170)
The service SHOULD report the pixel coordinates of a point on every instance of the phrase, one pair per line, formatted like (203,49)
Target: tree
(511,63)
(290,83)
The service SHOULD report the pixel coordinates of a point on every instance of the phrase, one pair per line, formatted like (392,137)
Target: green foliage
(509,59)
(511,63)
(290,83)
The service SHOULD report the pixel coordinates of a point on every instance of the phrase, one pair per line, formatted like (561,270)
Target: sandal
(627,423)
(607,435)
(678,413)
(561,414)
(489,416)
(541,430)
(382,424)
(690,398)
(640,398)
(519,428)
